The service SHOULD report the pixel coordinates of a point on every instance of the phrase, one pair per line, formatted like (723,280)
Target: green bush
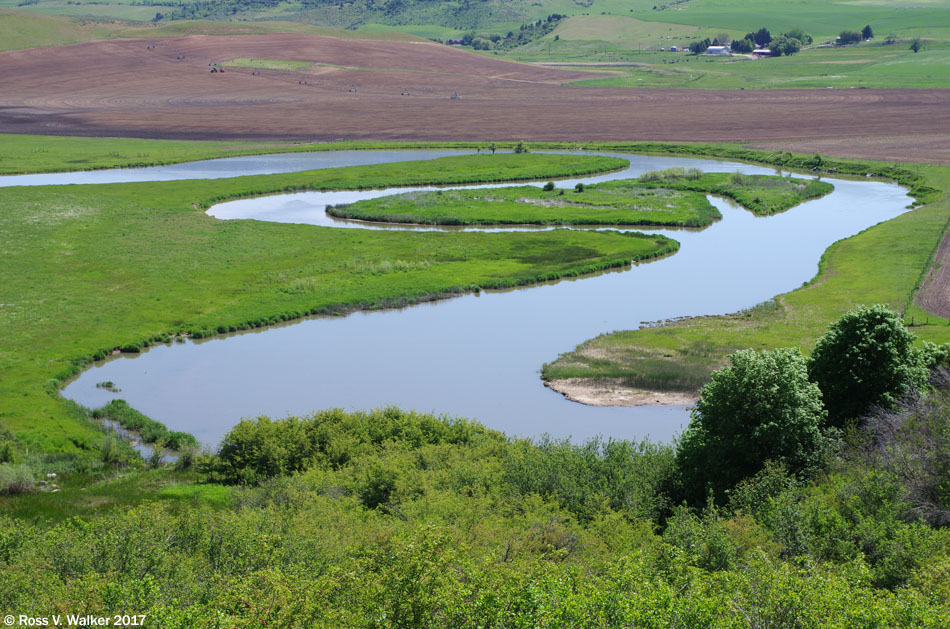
(865,359)
(262,448)
(761,407)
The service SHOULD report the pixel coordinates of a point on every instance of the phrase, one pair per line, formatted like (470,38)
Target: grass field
(92,268)
(267,64)
(883,264)
(872,65)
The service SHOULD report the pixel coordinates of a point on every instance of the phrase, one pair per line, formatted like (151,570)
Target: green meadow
(871,65)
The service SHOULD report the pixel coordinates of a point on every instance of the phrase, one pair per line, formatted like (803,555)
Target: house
(673,49)
(719,50)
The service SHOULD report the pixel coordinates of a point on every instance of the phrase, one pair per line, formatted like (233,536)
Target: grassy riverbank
(883,264)
(612,203)
(88,269)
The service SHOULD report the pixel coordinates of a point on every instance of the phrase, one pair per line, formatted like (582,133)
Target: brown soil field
(163,88)
(934,294)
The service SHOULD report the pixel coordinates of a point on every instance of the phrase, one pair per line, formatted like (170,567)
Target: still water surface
(478,356)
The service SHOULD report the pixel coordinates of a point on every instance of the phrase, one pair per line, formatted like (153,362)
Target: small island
(669,198)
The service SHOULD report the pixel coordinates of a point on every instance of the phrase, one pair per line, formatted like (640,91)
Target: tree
(865,359)
(761,407)
(849,37)
(800,35)
(783,45)
(722,39)
(762,37)
(743,46)
(699,47)
(916,45)
(521,148)
(866,32)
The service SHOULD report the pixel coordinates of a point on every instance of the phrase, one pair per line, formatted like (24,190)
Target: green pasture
(821,19)
(267,64)
(871,65)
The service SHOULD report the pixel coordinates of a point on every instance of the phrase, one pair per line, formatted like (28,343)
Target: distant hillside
(20,29)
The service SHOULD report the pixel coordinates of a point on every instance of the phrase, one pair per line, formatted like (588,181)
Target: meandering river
(474,356)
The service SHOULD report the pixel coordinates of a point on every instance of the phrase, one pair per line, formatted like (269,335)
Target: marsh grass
(151,431)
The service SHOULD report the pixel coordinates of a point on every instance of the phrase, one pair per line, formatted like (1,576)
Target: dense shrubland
(394,518)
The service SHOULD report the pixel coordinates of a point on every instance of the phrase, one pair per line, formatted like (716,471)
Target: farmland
(402,91)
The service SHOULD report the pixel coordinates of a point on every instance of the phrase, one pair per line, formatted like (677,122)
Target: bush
(912,442)
(549,186)
(579,187)
(16,479)
(761,407)
(865,359)
(258,449)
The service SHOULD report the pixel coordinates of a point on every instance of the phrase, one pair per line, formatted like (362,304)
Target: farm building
(719,50)
(762,52)
(673,49)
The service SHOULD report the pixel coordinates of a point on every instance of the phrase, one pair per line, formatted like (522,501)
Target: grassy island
(674,197)
(612,203)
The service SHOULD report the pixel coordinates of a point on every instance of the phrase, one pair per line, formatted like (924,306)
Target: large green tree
(867,358)
(759,408)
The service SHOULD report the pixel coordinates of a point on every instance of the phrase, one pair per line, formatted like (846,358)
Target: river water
(478,356)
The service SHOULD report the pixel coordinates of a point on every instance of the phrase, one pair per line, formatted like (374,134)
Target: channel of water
(478,356)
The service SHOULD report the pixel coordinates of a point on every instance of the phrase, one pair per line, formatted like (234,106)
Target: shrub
(15,479)
(579,187)
(549,186)
(865,359)
(912,442)
(761,407)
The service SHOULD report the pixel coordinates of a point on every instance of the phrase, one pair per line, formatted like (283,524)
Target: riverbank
(884,264)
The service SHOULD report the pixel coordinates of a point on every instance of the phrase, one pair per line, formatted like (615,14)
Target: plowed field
(378,90)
